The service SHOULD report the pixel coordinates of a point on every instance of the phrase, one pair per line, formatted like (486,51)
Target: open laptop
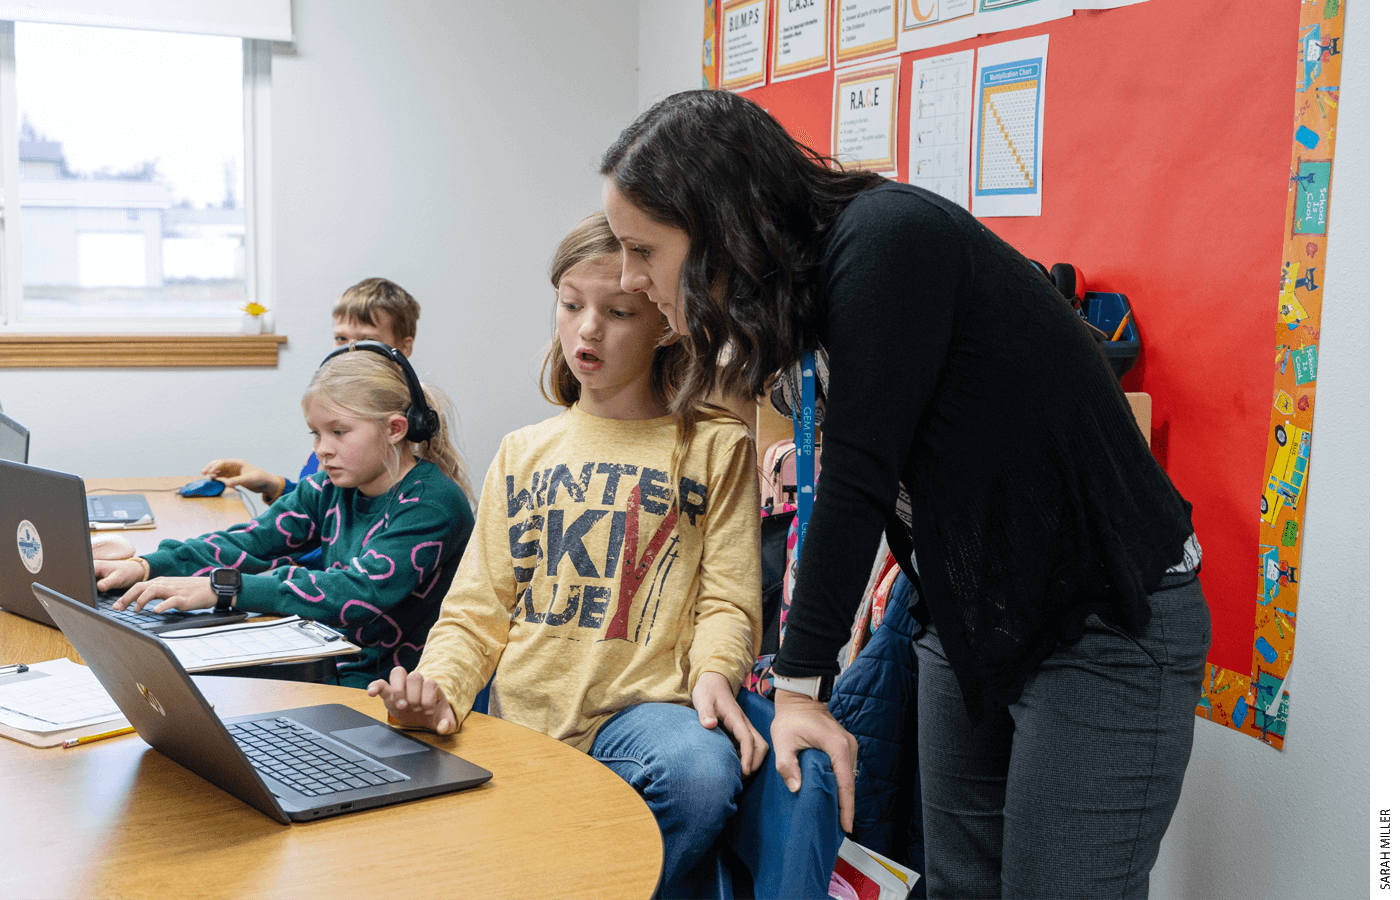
(14,440)
(262,759)
(44,537)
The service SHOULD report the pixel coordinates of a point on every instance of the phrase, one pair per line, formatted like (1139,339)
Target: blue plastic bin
(1104,311)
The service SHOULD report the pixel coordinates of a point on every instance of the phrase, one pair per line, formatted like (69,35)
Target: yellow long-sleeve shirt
(589,587)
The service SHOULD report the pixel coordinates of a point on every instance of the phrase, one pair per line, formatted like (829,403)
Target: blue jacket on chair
(876,700)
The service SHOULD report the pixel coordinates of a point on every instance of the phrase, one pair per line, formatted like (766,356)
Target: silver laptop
(292,765)
(14,440)
(44,537)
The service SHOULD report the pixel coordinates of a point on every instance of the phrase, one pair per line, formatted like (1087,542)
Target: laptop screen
(14,440)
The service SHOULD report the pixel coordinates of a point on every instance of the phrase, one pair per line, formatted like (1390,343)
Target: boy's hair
(371,387)
(589,240)
(361,301)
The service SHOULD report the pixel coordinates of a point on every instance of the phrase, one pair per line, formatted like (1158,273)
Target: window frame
(154,341)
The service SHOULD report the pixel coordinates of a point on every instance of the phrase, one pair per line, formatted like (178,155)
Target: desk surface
(176,516)
(117,819)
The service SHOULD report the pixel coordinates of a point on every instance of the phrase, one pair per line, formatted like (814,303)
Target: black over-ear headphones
(423,420)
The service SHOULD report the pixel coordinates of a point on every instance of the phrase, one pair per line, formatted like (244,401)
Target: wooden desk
(176,517)
(22,640)
(117,819)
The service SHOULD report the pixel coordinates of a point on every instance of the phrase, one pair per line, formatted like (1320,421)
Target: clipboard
(21,685)
(289,639)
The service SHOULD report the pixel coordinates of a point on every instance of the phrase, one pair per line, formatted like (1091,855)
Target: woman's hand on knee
(415,701)
(715,705)
(801,723)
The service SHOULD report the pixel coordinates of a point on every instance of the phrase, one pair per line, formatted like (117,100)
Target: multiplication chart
(1010,128)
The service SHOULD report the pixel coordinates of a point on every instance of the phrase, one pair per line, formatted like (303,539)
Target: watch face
(226,578)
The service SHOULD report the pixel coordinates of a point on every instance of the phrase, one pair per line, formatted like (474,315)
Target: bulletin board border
(1256,703)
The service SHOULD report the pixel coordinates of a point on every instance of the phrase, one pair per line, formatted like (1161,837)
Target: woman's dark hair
(755,204)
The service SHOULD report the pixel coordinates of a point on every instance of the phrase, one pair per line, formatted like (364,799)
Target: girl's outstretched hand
(715,705)
(415,701)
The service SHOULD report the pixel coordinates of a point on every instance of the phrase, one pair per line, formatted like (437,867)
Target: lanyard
(804,432)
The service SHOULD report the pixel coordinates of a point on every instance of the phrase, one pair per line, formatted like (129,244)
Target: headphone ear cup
(1069,281)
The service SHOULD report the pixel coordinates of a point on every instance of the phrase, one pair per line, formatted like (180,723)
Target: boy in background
(376,309)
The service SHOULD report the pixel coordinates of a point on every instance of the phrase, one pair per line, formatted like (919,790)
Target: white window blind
(268,20)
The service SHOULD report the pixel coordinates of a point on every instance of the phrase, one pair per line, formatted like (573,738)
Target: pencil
(87,739)
(1122,325)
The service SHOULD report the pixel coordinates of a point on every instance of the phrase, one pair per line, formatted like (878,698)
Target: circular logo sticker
(31,549)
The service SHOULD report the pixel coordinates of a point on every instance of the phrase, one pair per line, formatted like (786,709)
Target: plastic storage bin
(1104,311)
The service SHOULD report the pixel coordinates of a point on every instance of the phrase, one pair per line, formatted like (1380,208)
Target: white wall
(1257,822)
(670,55)
(412,142)
(1254,821)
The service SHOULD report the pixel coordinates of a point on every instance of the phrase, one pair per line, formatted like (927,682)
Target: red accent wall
(1168,131)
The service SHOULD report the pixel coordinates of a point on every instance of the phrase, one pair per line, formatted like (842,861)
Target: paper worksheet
(940,124)
(247,643)
(53,696)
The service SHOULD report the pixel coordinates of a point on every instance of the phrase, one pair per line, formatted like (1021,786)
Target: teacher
(971,417)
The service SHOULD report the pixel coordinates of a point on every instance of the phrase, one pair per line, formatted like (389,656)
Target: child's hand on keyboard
(168,592)
(115,574)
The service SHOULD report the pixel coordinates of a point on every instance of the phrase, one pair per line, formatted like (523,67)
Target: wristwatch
(226,583)
(818,687)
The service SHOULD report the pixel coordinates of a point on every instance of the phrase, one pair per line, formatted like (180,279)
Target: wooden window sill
(117,351)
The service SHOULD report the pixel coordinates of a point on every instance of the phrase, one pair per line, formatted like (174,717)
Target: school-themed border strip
(1256,703)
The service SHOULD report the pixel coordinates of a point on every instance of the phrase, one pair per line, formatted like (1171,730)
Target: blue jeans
(1068,792)
(688,775)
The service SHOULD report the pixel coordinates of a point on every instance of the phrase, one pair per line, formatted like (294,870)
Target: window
(133,177)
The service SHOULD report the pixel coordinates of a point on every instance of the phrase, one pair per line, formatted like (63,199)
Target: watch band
(818,687)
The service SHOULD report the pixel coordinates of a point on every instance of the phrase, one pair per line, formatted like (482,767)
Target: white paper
(743,45)
(1003,15)
(801,38)
(1010,128)
(932,23)
(865,101)
(863,26)
(54,696)
(251,642)
(940,124)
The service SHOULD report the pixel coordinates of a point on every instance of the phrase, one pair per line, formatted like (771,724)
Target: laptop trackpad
(379,740)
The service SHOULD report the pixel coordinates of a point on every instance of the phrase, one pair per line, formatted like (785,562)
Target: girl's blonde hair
(592,239)
(371,387)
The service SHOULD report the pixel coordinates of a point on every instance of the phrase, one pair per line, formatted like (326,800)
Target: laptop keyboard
(305,760)
(140,618)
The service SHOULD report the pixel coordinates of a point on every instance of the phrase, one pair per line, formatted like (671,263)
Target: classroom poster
(866,29)
(1003,15)
(864,109)
(743,44)
(933,23)
(940,124)
(801,38)
(1010,128)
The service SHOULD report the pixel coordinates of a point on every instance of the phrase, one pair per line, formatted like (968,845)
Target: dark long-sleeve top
(385,562)
(956,369)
